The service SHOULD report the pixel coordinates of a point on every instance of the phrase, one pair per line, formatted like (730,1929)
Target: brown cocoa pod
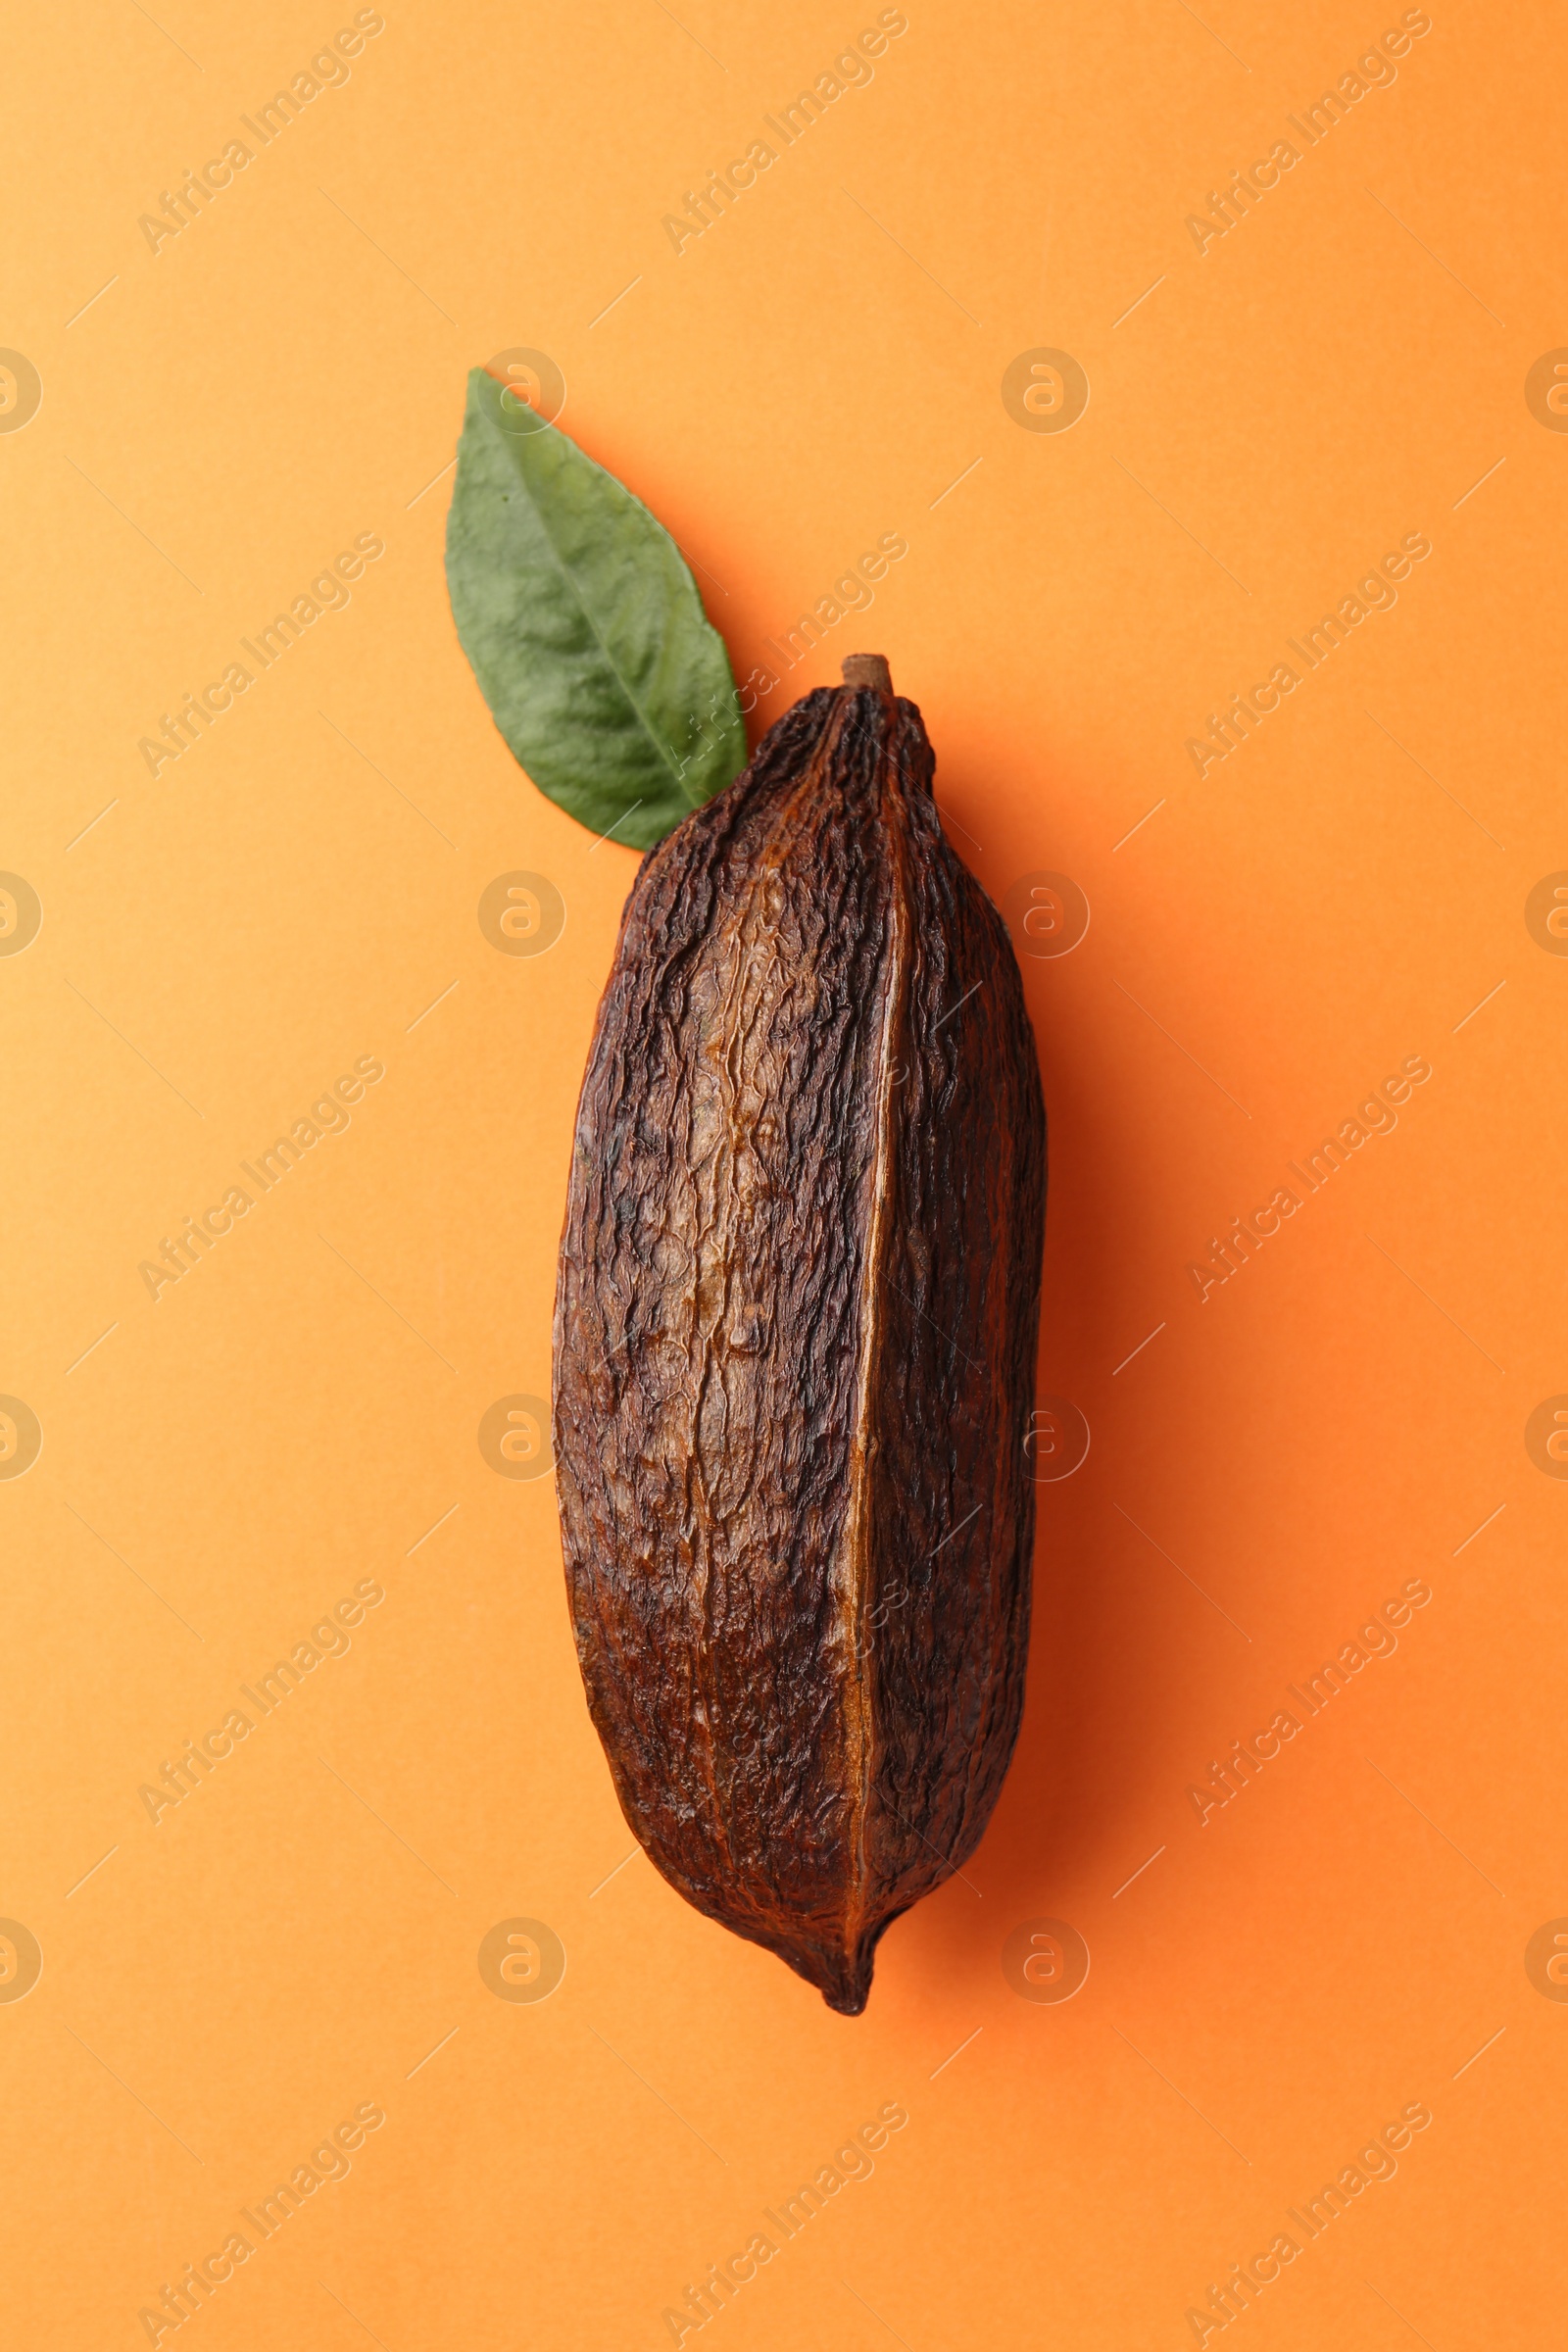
(795,1343)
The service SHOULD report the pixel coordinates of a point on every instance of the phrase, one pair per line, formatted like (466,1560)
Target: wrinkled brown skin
(795,1346)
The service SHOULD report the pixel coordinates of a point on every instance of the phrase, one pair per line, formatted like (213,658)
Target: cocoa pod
(795,1343)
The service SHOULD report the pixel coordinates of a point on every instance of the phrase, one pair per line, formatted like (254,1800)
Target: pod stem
(868,670)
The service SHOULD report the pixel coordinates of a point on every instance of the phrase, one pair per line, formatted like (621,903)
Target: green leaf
(584,628)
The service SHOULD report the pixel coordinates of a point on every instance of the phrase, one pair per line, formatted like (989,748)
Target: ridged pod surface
(795,1343)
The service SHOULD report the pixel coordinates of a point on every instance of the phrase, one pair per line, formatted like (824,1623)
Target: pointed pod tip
(843,1977)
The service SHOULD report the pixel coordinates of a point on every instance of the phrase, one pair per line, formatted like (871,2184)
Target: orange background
(219,1468)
